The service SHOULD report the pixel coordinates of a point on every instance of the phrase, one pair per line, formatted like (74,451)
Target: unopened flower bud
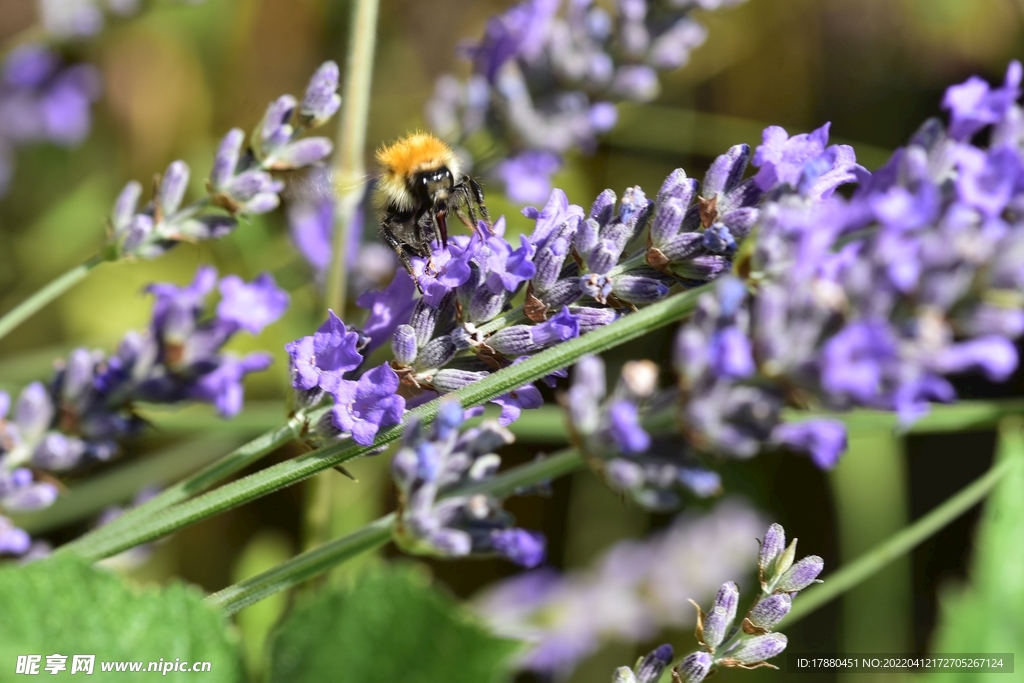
(322,100)
(564,292)
(173,186)
(586,237)
(719,239)
(668,220)
(770,611)
(603,256)
(301,153)
(124,207)
(651,666)
(226,160)
(759,648)
(449,380)
(275,129)
(726,171)
(677,186)
(694,667)
(623,675)
(436,353)
(801,575)
(639,289)
(403,345)
(484,305)
(423,321)
(771,547)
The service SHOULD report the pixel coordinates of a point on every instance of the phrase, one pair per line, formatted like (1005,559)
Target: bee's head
(432,186)
(419,170)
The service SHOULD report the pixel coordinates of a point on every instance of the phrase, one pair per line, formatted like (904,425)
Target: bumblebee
(420,184)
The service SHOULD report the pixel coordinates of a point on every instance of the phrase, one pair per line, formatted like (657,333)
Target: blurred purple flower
(527,176)
(973,104)
(251,306)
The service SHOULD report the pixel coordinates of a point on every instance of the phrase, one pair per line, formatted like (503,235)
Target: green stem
(303,567)
(349,170)
(349,165)
(959,417)
(292,471)
(159,467)
(325,557)
(223,468)
(901,543)
(54,289)
(869,487)
(322,559)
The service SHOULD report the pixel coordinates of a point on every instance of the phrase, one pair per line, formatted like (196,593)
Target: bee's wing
(312,186)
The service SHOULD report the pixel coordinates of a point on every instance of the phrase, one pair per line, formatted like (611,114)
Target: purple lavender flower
(388,308)
(324,357)
(363,407)
(546,75)
(42,100)
(973,104)
(222,387)
(694,667)
(445,269)
(21,492)
(801,575)
(89,405)
(770,611)
(635,589)
(824,440)
(522,547)
(13,541)
(987,180)
(625,428)
(519,32)
(508,267)
(240,181)
(527,177)
(440,459)
(251,306)
(759,648)
(513,403)
(556,211)
(321,100)
(523,339)
(803,161)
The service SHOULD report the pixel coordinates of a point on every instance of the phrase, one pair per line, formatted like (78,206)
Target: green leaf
(391,626)
(987,616)
(64,606)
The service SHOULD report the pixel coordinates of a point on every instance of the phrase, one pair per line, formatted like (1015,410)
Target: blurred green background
(179,75)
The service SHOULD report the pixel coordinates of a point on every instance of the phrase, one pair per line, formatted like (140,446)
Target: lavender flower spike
(432,461)
(754,643)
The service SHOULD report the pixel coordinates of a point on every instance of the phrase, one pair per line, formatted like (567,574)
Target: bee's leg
(478,196)
(464,201)
(403,256)
(465,220)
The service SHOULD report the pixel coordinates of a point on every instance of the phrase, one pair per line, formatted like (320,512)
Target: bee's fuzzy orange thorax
(404,158)
(416,152)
